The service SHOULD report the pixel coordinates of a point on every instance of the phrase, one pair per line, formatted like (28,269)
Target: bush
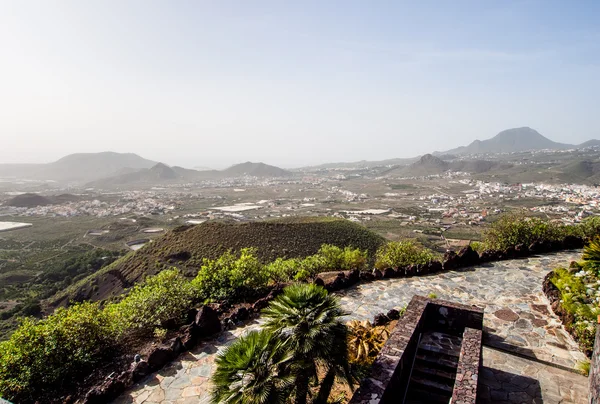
(334,257)
(590,227)
(282,270)
(513,229)
(43,354)
(159,298)
(577,299)
(402,253)
(230,275)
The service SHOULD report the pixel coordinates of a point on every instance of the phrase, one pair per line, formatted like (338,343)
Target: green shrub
(334,257)
(574,299)
(159,298)
(231,275)
(401,253)
(42,354)
(590,227)
(282,270)
(513,229)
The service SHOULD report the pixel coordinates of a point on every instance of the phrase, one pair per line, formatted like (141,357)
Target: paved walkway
(517,317)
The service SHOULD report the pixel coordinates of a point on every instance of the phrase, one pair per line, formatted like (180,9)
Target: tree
(252,370)
(307,321)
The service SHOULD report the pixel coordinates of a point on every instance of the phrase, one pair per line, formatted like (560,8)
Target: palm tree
(591,254)
(252,370)
(307,321)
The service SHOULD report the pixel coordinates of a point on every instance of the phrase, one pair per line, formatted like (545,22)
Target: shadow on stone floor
(494,341)
(500,387)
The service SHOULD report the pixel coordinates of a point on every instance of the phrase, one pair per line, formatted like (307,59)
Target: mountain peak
(511,141)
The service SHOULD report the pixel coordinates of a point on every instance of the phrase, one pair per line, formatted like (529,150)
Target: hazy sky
(199,83)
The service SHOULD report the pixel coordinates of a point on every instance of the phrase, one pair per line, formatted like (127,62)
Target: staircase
(434,370)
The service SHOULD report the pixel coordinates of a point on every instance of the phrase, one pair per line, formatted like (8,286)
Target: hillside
(426,165)
(79,167)
(29,201)
(509,141)
(161,173)
(185,247)
(255,170)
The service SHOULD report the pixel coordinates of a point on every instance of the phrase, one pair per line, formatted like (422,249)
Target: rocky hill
(514,140)
(29,201)
(79,167)
(185,247)
(255,170)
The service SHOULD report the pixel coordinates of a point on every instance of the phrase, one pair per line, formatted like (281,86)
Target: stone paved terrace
(517,318)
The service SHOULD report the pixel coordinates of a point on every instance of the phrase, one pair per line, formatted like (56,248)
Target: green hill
(186,246)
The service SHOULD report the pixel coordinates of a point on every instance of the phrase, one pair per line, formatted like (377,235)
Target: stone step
(436,350)
(443,374)
(423,394)
(430,385)
(439,361)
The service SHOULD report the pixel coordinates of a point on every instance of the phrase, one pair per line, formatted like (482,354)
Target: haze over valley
(309,203)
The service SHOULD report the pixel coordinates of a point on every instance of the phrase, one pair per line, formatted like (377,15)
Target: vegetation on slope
(39,351)
(188,247)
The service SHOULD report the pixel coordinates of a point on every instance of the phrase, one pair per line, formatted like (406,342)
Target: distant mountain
(28,201)
(432,165)
(589,143)
(156,174)
(509,141)
(255,170)
(79,167)
(31,200)
(161,173)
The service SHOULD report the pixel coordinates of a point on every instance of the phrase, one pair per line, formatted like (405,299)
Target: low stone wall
(390,374)
(467,372)
(594,378)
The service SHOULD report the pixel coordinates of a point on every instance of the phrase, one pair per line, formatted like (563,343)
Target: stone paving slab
(516,313)
(187,379)
(507,379)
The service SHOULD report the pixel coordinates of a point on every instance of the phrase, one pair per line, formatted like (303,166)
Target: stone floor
(517,313)
(507,379)
(517,317)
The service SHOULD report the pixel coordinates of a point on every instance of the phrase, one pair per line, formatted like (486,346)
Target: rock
(106,392)
(191,315)
(393,314)
(381,319)
(264,302)
(572,242)
(536,247)
(489,256)
(338,283)
(319,282)
(377,274)
(410,270)
(139,370)
(160,356)
(450,260)
(241,314)
(468,257)
(521,250)
(190,335)
(208,322)
(352,277)
(389,273)
(509,253)
(434,266)
(366,276)
(506,315)
(550,290)
(421,269)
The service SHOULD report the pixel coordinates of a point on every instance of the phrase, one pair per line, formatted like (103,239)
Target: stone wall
(594,378)
(389,376)
(467,372)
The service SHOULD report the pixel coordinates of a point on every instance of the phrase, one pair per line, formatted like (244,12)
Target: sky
(291,83)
